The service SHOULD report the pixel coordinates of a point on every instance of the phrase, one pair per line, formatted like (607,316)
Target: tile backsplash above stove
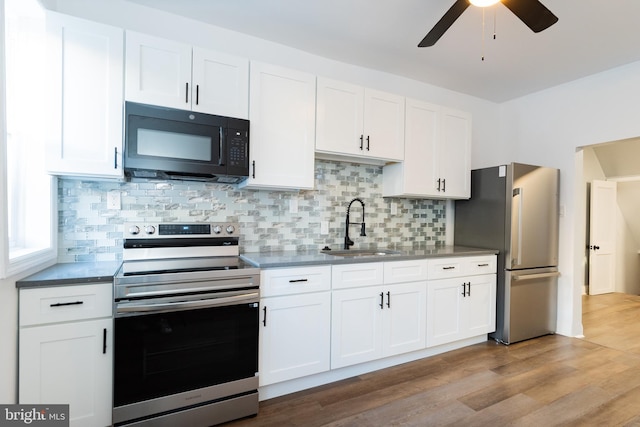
(89,231)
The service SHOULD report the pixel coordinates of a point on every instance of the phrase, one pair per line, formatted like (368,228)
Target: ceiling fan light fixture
(483,3)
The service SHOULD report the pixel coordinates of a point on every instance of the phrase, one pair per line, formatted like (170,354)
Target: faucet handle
(362,233)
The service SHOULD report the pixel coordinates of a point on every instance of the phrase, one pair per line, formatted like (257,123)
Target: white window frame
(12,261)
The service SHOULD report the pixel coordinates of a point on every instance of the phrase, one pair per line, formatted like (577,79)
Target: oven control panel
(177,230)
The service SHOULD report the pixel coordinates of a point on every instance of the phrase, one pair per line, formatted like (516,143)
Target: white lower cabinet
(295,327)
(378,320)
(321,318)
(66,350)
(462,306)
(373,322)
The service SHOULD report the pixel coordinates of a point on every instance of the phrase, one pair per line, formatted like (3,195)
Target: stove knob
(230,229)
(134,229)
(217,229)
(149,229)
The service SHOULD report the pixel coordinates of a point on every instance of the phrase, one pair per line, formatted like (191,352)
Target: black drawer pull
(104,341)
(483,265)
(448,268)
(298,280)
(264,321)
(62,304)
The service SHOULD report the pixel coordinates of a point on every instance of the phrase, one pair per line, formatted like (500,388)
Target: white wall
(546,128)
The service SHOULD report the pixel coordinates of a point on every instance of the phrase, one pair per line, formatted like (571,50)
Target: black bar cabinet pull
(381,300)
(361,141)
(448,268)
(438,184)
(62,304)
(444,185)
(367,142)
(388,299)
(197,94)
(104,341)
(115,157)
(464,289)
(253,164)
(221,150)
(264,321)
(186,92)
(469,289)
(483,265)
(298,280)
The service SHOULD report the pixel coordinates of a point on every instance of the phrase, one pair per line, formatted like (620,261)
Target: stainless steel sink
(361,253)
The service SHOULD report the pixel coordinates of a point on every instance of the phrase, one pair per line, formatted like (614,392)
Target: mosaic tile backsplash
(88,231)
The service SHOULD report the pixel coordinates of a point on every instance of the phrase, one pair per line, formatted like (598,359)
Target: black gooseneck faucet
(347,241)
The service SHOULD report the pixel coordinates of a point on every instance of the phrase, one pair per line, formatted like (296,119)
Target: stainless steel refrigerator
(514,208)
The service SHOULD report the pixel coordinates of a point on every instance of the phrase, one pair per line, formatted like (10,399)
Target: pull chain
(495,20)
(483,33)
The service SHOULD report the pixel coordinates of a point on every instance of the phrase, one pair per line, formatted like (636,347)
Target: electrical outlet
(113,199)
(324,227)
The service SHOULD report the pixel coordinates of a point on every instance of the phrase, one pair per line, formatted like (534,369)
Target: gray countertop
(79,273)
(72,273)
(316,257)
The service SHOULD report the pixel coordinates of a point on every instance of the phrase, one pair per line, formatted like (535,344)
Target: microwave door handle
(220,160)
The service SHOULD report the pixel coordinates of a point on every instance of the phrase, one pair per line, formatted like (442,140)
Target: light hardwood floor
(548,381)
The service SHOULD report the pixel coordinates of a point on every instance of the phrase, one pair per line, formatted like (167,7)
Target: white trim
(4,243)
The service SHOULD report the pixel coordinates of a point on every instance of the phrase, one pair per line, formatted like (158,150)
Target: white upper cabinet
(363,124)
(437,155)
(85,93)
(282,115)
(172,74)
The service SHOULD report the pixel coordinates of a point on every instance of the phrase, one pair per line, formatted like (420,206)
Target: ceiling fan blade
(444,23)
(533,13)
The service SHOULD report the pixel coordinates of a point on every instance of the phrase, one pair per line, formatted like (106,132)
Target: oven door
(188,351)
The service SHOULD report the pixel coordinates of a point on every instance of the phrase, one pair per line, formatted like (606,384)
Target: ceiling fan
(533,13)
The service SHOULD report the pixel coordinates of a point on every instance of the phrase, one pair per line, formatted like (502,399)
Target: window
(29,212)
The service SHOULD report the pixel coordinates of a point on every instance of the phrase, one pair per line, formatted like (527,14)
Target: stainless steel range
(186,327)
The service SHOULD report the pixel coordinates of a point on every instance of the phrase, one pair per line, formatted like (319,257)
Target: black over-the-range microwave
(167,143)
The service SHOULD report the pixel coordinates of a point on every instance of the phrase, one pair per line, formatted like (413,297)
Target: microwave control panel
(238,141)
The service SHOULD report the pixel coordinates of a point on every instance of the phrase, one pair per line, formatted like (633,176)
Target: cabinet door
(356,328)
(479,305)
(444,311)
(417,175)
(295,339)
(85,83)
(282,114)
(220,84)
(158,71)
(404,318)
(69,364)
(383,125)
(340,118)
(455,154)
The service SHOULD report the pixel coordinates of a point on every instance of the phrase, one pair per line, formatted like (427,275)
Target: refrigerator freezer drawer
(531,304)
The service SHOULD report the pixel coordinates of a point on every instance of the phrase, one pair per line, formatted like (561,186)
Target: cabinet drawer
(480,265)
(288,281)
(443,268)
(405,271)
(356,275)
(65,303)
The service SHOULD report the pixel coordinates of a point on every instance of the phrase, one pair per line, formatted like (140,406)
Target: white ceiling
(590,36)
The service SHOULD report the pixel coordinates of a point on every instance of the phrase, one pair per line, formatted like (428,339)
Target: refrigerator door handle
(534,276)
(517,236)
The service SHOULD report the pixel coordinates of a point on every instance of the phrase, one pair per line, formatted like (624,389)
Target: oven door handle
(131,308)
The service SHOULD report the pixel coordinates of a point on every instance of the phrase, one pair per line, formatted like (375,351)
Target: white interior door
(602,240)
